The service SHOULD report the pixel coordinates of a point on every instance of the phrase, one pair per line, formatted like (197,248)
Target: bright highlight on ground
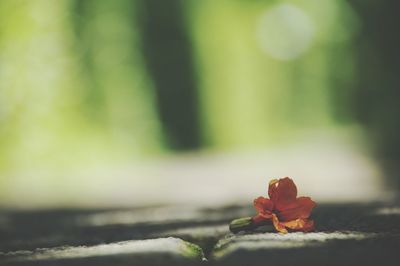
(283,241)
(170,246)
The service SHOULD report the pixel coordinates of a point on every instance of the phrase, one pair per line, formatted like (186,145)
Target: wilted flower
(283,208)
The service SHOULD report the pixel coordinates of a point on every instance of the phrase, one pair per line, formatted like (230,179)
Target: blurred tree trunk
(118,92)
(377,95)
(168,57)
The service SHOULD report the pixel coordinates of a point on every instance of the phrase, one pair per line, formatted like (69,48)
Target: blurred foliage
(257,84)
(93,82)
(72,83)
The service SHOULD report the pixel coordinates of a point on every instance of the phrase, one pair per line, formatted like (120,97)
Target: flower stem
(241,224)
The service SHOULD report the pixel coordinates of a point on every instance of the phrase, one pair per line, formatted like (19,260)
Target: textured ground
(347,234)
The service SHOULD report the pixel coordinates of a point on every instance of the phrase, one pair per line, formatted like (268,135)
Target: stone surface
(150,251)
(347,234)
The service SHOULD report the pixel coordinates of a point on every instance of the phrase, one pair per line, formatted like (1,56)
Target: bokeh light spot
(285,32)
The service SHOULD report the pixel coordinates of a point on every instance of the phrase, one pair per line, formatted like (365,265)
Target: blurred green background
(88,88)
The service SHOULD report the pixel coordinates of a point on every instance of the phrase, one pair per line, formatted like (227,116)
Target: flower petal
(260,219)
(300,208)
(282,192)
(263,205)
(304,225)
(294,224)
(309,226)
(278,225)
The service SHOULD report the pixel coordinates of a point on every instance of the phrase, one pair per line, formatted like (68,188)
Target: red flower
(283,208)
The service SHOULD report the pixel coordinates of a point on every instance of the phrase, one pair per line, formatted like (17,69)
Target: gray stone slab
(347,234)
(28,230)
(335,248)
(151,251)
